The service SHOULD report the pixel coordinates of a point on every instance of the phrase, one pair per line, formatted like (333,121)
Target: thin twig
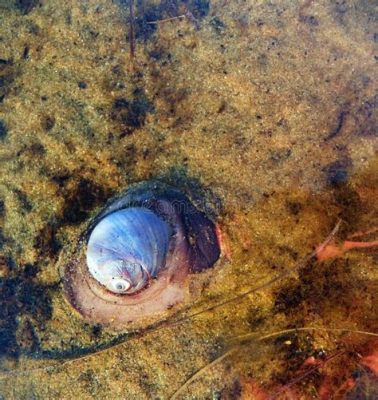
(310,371)
(252,335)
(131,29)
(188,15)
(202,370)
(166,19)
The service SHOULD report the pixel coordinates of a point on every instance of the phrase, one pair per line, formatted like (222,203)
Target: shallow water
(264,109)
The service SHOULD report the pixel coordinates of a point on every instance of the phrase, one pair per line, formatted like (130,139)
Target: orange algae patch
(224,245)
(371,360)
(333,250)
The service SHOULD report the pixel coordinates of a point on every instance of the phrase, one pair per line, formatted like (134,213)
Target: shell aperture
(127,248)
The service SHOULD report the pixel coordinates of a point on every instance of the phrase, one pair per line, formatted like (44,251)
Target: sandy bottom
(265,110)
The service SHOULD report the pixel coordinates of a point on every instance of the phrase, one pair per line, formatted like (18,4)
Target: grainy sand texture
(267,110)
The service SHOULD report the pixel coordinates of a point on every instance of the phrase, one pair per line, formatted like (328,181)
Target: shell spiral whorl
(127,248)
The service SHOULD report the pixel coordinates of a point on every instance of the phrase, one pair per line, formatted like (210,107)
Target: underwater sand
(268,110)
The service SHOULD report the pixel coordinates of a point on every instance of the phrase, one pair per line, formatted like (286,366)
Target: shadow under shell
(193,247)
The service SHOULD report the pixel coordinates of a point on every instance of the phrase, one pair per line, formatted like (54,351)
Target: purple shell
(127,248)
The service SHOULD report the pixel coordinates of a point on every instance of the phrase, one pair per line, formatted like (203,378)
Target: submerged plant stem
(238,340)
(201,372)
(132,30)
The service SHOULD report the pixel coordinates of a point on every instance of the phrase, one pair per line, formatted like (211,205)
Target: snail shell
(128,248)
(132,261)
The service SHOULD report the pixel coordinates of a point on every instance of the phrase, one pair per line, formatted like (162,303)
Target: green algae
(268,105)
